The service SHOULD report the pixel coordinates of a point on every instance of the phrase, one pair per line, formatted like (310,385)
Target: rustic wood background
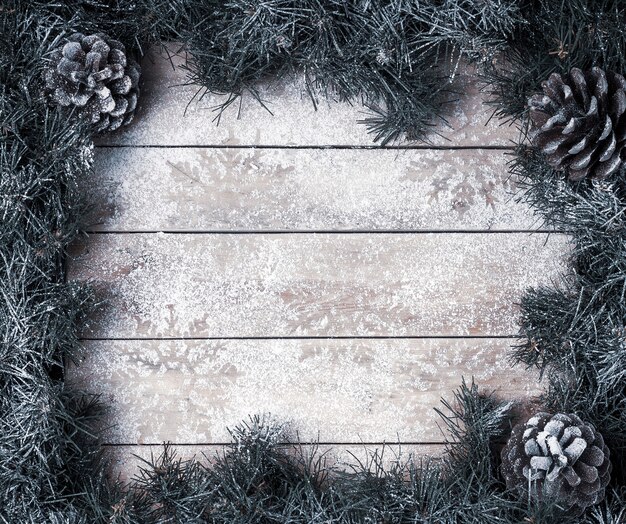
(285,264)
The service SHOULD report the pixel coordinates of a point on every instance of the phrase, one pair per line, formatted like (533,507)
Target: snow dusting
(333,390)
(227,270)
(257,189)
(225,285)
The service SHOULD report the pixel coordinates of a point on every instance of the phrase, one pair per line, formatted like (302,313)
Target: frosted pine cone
(579,123)
(563,459)
(94,74)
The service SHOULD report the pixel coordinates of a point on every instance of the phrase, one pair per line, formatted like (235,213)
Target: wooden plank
(126,461)
(275,285)
(166,116)
(329,390)
(270,190)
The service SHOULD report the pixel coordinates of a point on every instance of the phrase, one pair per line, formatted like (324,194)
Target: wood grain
(306,190)
(278,285)
(260,304)
(372,390)
(168,116)
(128,461)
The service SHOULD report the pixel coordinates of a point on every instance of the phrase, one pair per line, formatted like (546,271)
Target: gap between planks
(281,443)
(322,231)
(305,147)
(369,337)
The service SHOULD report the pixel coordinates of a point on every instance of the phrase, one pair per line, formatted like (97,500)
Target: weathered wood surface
(247,189)
(167,117)
(373,390)
(268,271)
(277,285)
(127,461)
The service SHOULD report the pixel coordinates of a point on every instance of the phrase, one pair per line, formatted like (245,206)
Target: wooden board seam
(346,337)
(332,232)
(285,443)
(305,147)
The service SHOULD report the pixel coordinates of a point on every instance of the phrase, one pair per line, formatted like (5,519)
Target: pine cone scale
(589,473)
(575,450)
(575,125)
(609,149)
(582,159)
(593,456)
(579,146)
(579,85)
(554,89)
(618,107)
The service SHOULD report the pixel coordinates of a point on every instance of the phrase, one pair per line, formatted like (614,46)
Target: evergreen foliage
(556,36)
(575,331)
(43,426)
(394,56)
(399,56)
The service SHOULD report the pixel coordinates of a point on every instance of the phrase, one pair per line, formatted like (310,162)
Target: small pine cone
(579,123)
(563,458)
(94,74)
